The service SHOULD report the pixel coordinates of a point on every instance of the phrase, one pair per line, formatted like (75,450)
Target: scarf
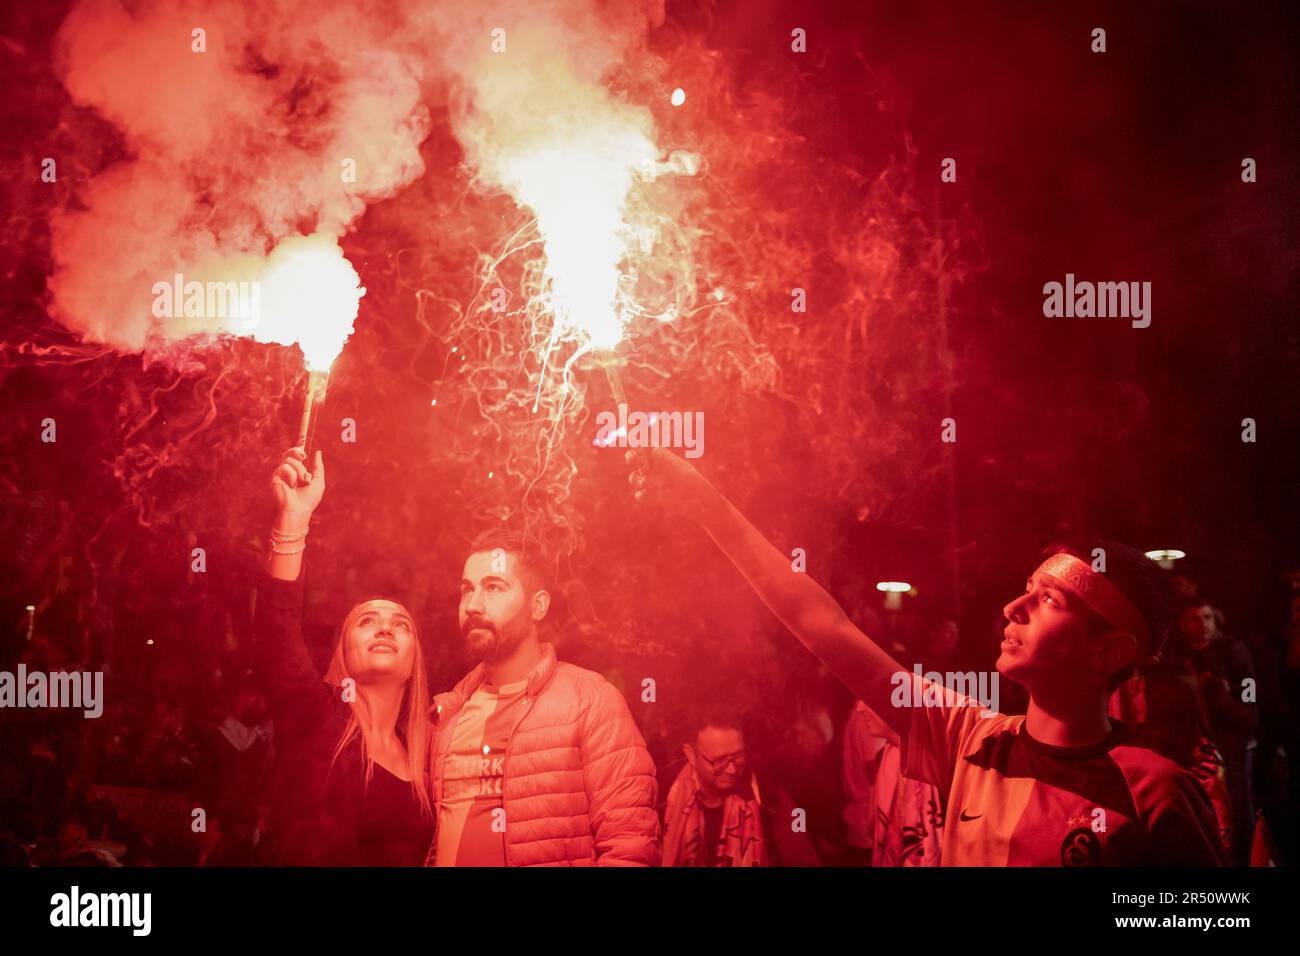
(740,839)
(240,736)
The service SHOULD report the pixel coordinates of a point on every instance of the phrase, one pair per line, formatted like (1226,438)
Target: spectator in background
(807,761)
(719,814)
(1175,725)
(1274,737)
(216,846)
(907,815)
(12,853)
(943,640)
(167,755)
(862,747)
(1183,590)
(238,761)
(1291,655)
(1290,678)
(1223,665)
(86,838)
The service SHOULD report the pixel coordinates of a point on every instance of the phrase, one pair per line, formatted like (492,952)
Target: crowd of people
(1131,750)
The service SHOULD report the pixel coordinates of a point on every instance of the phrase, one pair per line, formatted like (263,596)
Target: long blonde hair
(415,705)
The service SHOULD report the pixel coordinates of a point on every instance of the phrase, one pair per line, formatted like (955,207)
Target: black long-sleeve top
(322,816)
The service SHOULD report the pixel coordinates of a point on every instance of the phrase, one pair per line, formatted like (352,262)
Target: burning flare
(578,186)
(310,297)
(540,120)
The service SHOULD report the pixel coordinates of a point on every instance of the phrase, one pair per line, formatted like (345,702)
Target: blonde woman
(351,785)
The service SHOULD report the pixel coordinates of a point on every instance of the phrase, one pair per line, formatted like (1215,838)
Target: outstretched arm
(803,605)
(292,684)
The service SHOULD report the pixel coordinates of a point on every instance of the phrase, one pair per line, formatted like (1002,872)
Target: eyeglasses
(720,764)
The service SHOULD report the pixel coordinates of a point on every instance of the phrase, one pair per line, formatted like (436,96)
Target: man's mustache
(476,623)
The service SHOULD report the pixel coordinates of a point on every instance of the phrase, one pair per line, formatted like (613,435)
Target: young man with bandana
(1056,787)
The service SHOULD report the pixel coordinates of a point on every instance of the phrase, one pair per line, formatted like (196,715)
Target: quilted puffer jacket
(579,786)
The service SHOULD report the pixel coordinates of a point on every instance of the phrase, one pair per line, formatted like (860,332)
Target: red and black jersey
(1014,801)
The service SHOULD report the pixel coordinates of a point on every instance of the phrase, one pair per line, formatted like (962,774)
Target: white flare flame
(310,297)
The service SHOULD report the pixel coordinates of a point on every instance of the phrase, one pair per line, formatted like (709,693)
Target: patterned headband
(1099,594)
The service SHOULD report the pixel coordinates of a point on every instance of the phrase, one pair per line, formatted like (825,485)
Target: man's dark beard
(498,647)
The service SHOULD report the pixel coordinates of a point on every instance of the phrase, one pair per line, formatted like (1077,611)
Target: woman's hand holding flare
(297,493)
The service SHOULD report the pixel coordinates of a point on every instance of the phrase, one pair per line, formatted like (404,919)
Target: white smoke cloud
(237,148)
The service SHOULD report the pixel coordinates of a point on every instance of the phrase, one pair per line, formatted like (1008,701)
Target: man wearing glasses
(717,814)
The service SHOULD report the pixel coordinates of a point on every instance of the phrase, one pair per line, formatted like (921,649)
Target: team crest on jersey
(1082,845)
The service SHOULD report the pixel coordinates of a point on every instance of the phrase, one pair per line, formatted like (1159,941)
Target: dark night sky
(1123,165)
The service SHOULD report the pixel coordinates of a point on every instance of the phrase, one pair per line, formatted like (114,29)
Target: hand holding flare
(662,478)
(298,492)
